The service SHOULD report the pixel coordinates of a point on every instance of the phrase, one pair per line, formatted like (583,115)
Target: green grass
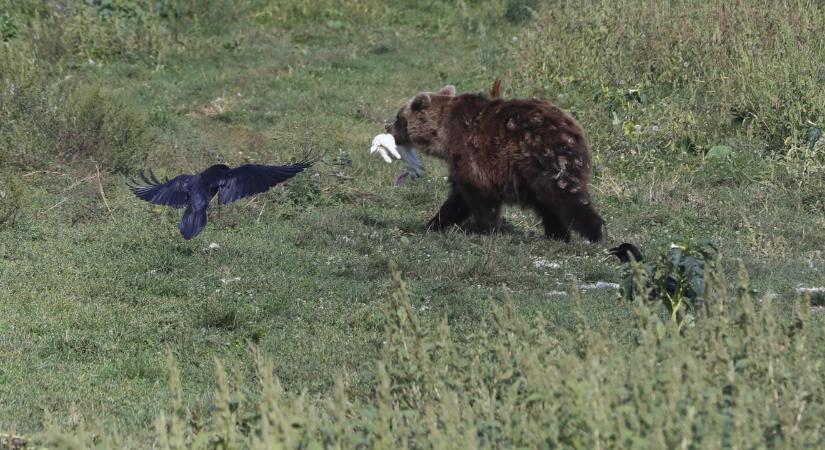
(96,286)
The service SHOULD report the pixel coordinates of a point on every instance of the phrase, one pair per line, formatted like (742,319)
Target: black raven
(677,279)
(195,191)
(624,252)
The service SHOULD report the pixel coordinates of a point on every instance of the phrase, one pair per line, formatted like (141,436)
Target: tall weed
(11,199)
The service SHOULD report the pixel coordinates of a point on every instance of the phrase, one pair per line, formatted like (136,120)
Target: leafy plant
(719,152)
(8,28)
(676,279)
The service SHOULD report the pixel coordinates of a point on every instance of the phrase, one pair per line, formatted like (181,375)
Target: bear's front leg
(454,211)
(554,229)
(485,207)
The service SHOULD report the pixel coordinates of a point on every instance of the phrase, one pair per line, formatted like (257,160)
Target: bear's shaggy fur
(524,152)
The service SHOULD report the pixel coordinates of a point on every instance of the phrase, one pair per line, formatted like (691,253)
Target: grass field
(708,130)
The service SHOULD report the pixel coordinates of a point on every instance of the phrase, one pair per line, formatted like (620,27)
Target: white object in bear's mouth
(384,145)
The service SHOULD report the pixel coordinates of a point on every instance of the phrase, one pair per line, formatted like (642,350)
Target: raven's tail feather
(310,157)
(193,222)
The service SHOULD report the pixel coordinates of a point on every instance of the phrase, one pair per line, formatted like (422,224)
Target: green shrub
(44,125)
(520,10)
(101,126)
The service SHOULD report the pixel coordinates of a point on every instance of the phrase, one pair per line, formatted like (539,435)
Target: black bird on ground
(625,250)
(676,279)
(195,191)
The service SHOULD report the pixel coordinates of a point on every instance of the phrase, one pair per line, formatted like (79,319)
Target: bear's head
(419,124)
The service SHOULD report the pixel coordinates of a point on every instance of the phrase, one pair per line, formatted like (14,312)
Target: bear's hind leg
(579,214)
(562,211)
(454,211)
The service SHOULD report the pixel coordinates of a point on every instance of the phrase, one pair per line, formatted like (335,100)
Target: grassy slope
(90,300)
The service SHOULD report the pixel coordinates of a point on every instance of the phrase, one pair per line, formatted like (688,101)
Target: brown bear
(524,152)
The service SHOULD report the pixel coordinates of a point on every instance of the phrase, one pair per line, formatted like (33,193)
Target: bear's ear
(448,90)
(420,101)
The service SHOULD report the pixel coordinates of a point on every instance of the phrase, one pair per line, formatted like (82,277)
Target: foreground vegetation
(747,375)
(705,121)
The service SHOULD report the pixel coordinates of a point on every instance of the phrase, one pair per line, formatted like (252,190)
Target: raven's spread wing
(252,179)
(174,192)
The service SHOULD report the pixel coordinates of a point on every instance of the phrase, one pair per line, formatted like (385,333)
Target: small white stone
(230,280)
(811,290)
(214,246)
(541,263)
(599,285)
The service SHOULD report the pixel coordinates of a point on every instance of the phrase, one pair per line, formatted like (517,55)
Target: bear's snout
(398,130)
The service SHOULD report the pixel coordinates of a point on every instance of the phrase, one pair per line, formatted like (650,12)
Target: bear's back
(521,140)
